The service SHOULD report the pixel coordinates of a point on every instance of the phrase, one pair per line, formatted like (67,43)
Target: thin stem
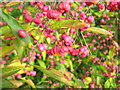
(86,43)
(79,37)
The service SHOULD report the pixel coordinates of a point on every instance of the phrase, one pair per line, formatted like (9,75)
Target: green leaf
(19,47)
(44,54)
(99,30)
(36,34)
(113,82)
(6,49)
(78,82)
(8,71)
(16,83)
(103,68)
(57,73)
(11,4)
(110,14)
(50,73)
(73,5)
(116,44)
(8,35)
(70,64)
(99,80)
(14,25)
(77,24)
(41,63)
(4,29)
(7,84)
(29,82)
(111,53)
(107,84)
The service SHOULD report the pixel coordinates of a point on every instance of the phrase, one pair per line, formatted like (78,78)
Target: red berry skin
(101,6)
(37,20)
(22,33)
(53,14)
(118,4)
(64,6)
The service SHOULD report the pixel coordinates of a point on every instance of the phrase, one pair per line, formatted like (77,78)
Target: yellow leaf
(6,49)
(17,63)
(16,83)
(99,30)
(11,4)
(57,73)
(29,82)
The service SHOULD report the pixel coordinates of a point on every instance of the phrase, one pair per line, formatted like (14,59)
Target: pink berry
(112,6)
(10,9)
(19,7)
(118,4)
(90,19)
(22,33)
(53,14)
(28,18)
(19,76)
(33,73)
(37,20)
(101,6)
(42,47)
(45,8)
(64,6)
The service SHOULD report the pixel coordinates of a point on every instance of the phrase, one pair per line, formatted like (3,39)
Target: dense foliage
(60,44)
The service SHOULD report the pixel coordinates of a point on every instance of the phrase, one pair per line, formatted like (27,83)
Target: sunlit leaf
(78,82)
(107,84)
(116,44)
(44,54)
(77,24)
(16,63)
(8,35)
(8,71)
(99,30)
(57,73)
(7,84)
(29,82)
(19,47)
(16,83)
(36,34)
(41,63)
(11,4)
(49,73)
(6,49)
(5,29)
(19,64)
(111,52)
(70,64)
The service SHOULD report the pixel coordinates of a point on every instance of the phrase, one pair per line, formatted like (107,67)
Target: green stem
(86,43)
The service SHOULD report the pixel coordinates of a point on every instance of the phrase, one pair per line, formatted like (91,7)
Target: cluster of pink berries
(67,39)
(101,6)
(63,6)
(112,6)
(28,18)
(84,51)
(17,76)
(48,33)
(34,56)
(42,47)
(58,50)
(32,73)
